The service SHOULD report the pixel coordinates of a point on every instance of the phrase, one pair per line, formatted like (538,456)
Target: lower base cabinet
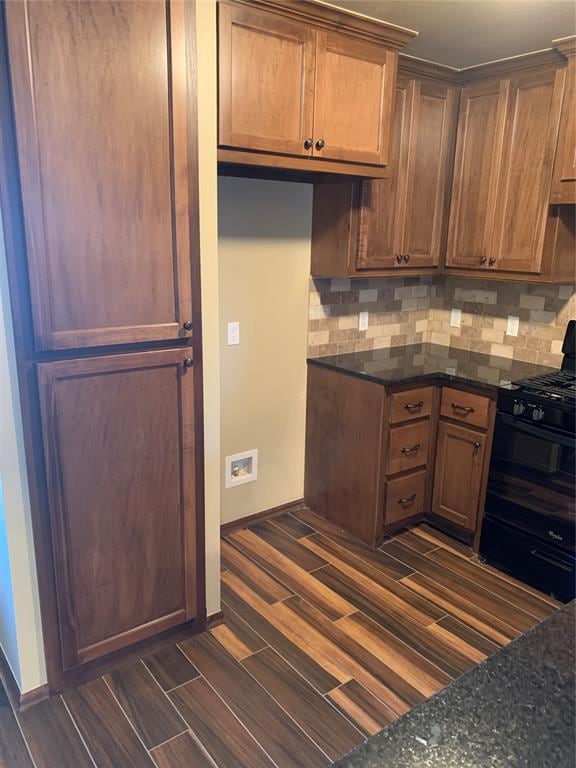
(458,474)
(119,453)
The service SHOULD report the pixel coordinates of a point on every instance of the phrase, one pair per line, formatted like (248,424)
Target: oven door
(532,484)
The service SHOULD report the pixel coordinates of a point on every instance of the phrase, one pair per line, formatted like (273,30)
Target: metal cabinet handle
(491,261)
(466,409)
(308,144)
(188,362)
(187,325)
(399,258)
(477,447)
(414,406)
(482,259)
(320,144)
(413,449)
(407,500)
(406,258)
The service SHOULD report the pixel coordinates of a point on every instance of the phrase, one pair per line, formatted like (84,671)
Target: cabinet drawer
(465,407)
(412,404)
(408,447)
(404,497)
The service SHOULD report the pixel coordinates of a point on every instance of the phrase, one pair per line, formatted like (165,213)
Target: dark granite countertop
(515,710)
(403,365)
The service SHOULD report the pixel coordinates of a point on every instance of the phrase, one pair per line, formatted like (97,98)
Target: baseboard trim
(234,525)
(214,620)
(19,701)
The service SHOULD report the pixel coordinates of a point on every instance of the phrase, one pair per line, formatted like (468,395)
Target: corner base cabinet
(119,447)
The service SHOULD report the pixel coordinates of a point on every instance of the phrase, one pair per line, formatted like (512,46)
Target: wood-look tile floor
(325,642)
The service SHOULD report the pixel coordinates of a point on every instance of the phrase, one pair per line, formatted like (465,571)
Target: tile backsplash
(414,310)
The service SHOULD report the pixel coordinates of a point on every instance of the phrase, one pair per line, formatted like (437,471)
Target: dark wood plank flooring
(325,641)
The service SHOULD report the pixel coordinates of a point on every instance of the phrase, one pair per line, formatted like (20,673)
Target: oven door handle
(546,434)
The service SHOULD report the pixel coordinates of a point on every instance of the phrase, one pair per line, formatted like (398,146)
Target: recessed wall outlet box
(233,334)
(241,468)
(512,325)
(363,320)
(456,318)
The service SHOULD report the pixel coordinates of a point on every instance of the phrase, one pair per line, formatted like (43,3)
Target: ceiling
(463,33)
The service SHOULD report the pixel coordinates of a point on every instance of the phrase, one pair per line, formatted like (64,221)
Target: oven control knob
(519,407)
(537,414)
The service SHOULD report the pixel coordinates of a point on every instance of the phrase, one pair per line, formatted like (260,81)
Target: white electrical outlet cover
(233,334)
(455,318)
(512,325)
(246,464)
(363,320)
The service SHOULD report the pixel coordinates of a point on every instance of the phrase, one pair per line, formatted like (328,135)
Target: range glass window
(534,468)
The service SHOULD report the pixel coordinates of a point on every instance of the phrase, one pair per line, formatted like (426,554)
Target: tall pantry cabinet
(98,140)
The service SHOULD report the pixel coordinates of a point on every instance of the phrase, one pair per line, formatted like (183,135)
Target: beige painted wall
(207,117)
(20,626)
(264,258)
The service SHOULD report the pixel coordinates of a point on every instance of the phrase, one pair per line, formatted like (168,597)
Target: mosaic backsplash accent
(415,310)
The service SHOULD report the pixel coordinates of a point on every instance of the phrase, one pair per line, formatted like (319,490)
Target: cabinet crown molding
(566,45)
(336,19)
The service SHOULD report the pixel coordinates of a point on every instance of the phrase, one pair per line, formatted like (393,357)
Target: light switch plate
(233,334)
(363,320)
(455,318)
(512,325)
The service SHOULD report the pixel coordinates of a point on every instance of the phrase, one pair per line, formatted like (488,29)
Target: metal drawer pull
(551,560)
(465,408)
(411,450)
(408,500)
(414,406)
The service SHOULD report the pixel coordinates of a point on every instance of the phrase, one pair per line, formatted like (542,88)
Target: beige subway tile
(529,301)
(421,325)
(501,350)
(318,312)
(443,339)
(317,338)
(409,304)
(566,292)
(348,321)
(541,316)
(556,347)
(491,334)
(370,294)
(381,342)
(340,284)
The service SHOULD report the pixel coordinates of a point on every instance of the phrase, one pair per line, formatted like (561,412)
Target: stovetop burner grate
(561,382)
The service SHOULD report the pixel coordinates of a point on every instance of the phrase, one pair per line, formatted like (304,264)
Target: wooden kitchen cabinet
(458,474)
(99,93)
(305,87)
(564,175)
(396,224)
(118,434)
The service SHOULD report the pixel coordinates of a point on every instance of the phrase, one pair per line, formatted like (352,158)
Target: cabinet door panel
(428,157)
(119,450)
(564,175)
(353,99)
(458,474)
(478,153)
(532,121)
(266,77)
(102,145)
(380,230)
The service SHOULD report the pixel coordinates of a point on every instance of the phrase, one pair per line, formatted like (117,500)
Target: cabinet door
(353,99)
(103,143)
(564,175)
(119,451)
(478,152)
(380,230)
(458,474)
(425,205)
(266,81)
(532,120)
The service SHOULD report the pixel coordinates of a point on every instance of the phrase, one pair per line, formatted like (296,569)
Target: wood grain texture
(299,580)
(104,727)
(441,539)
(259,580)
(144,703)
(412,540)
(170,667)
(318,719)
(275,731)
(221,734)
(362,707)
(13,750)
(464,640)
(182,752)
(292,526)
(237,637)
(281,541)
(51,737)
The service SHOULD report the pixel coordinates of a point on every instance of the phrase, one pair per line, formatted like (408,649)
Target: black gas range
(530,515)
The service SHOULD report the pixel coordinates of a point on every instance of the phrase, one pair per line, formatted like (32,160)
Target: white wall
(20,627)
(264,255)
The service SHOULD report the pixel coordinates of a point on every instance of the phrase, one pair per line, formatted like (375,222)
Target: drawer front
(412,404)
(404,497)
(408,447)
(465,407)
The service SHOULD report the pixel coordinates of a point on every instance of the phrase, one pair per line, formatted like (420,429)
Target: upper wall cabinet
(305,87)
(500,221)
(394,225)
(564,177)
(102,143)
